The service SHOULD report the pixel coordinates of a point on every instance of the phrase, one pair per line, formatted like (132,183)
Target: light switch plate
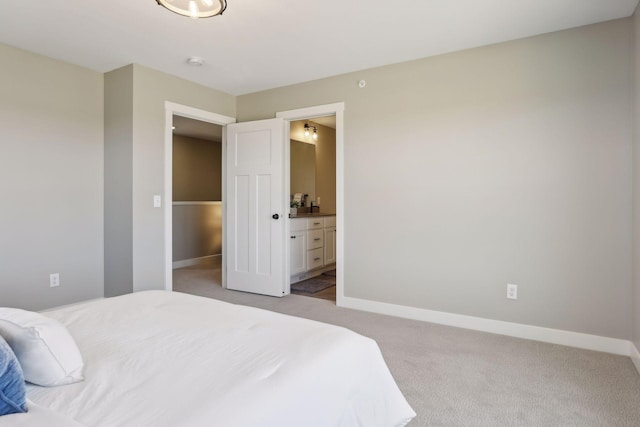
(157,201)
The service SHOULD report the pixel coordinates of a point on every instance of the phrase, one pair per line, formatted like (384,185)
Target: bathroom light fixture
(307,131)
(195,8)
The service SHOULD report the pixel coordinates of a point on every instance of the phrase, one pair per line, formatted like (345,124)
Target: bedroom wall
(118,183)
(503,164)
(636,189)
(151,89)
(51,181)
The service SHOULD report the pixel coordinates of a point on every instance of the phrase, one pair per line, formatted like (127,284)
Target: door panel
(242,223)
(255,207)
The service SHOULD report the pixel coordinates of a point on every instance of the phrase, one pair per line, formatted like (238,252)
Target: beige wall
(326,168)
(51,181)
(151,89)
(503,164)
(197,176)
(118,181)
(197,169)
(636,182)
(197,230)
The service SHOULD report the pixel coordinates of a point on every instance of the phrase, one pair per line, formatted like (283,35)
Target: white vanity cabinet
(298,251)
(312,245)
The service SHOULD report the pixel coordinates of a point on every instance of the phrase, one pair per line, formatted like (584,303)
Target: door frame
(172,109)
(309,113)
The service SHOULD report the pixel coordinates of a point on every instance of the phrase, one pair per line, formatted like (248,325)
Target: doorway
(336,109)
(196,204)
(313,207)
(184,117)
(317,113)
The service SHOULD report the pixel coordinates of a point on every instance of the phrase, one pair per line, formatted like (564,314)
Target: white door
(255,207)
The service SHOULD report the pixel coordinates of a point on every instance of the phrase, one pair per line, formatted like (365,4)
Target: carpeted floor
(456,377)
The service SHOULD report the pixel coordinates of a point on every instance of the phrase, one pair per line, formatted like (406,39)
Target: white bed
(161,358)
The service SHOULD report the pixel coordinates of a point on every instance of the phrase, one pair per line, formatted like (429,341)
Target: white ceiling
(260,44)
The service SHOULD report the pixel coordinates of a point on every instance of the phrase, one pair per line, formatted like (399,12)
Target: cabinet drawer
(298,224)
(314,223)
(315,239)
(315,258)
(329,221)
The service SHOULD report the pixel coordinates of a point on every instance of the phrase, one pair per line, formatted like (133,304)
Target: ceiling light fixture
(195,8)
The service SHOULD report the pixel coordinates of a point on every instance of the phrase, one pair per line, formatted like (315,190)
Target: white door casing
(336,109)
(255,207)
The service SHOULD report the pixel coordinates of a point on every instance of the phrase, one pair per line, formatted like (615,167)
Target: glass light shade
(195,8)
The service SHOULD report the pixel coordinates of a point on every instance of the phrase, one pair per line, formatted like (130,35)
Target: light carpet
(458,377)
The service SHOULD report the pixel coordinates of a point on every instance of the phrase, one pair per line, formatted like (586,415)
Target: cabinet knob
(275,216)
(293,237)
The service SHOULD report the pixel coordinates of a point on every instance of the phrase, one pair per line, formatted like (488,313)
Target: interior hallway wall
(197,181)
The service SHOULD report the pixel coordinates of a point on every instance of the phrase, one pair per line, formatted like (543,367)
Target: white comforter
(168,359)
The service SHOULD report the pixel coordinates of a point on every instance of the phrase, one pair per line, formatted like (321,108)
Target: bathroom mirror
(303,169)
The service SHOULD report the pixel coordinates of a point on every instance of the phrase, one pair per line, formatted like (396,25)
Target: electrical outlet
(54,280)
(512,291)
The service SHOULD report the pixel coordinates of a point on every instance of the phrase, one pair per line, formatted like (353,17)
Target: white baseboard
(536,333)
(635,356)
(193,261)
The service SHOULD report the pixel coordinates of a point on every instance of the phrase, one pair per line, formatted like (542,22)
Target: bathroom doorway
(312,192)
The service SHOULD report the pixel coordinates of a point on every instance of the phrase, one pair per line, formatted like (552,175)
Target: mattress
(159,358)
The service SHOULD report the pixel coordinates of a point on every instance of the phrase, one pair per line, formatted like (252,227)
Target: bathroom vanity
(312,245)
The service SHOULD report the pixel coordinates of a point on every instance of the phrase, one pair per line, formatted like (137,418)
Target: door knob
(275,216)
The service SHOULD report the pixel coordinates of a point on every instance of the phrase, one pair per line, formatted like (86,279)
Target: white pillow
(46,351)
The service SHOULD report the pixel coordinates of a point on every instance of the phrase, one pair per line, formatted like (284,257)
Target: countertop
(311,215)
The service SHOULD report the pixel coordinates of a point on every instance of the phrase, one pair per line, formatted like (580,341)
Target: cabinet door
(298,252)
(329,245)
